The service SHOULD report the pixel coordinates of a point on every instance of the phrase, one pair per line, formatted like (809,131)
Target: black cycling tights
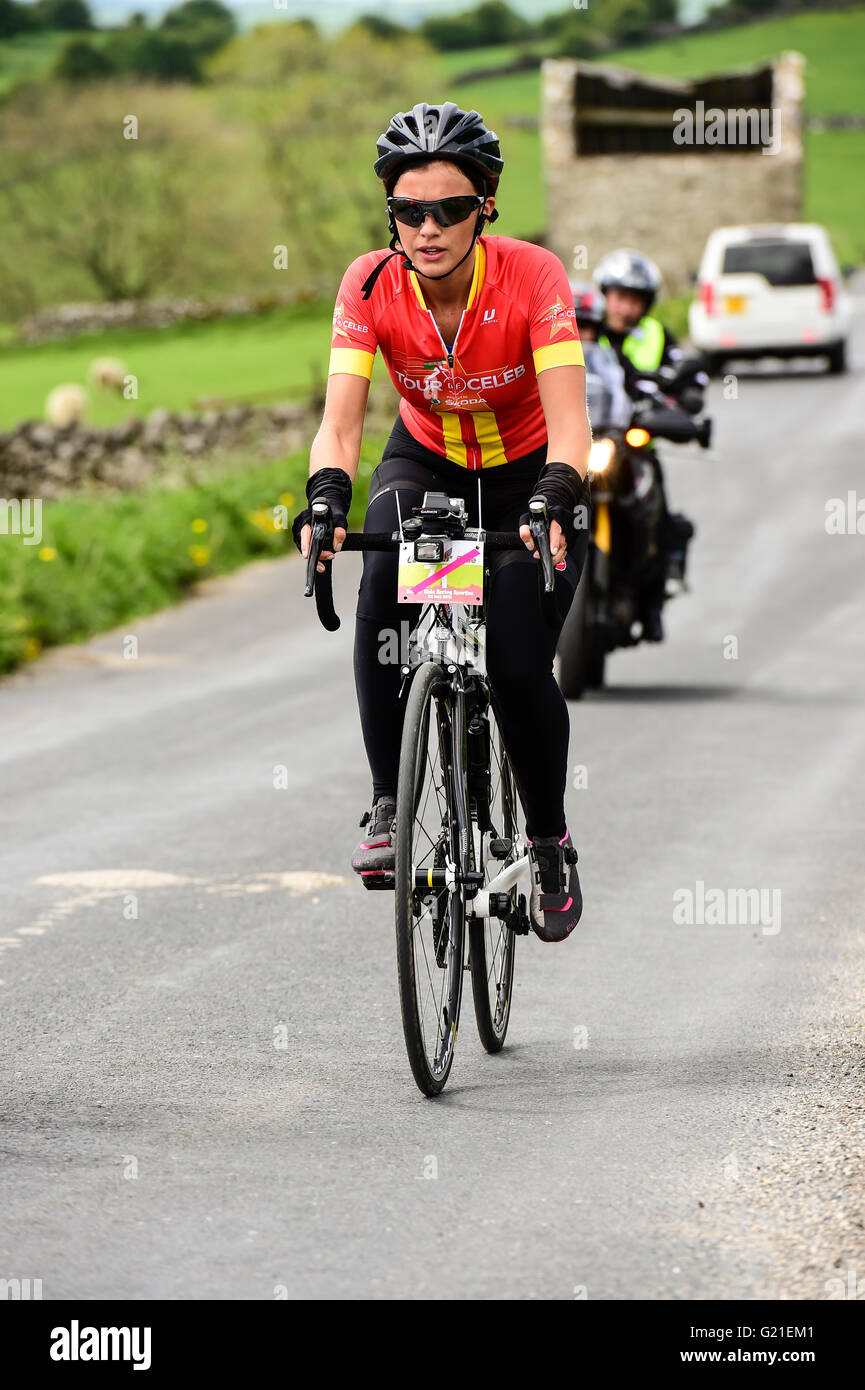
(520,645)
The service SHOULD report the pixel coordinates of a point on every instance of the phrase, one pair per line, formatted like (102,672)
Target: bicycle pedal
(500,849)
(378,882)
(518,921)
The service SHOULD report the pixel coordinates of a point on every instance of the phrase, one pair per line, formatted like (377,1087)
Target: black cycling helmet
(439,132)
(589,304)
(429,132)
(628,270)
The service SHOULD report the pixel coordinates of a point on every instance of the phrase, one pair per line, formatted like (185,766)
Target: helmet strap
(369,282)
(482,218)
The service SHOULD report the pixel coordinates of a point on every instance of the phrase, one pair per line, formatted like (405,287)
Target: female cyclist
(479,336)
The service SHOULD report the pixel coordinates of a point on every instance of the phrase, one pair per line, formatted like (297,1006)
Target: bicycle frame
(454,638)
(452,635)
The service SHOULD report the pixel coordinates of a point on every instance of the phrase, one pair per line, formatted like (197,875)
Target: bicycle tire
(429,966)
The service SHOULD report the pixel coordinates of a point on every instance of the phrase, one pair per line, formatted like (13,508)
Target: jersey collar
(474,288)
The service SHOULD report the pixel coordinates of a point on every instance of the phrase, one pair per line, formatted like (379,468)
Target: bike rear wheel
(492,944)
(430,921)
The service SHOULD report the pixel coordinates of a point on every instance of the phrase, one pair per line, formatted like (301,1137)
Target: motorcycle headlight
(637,438)
(601,455)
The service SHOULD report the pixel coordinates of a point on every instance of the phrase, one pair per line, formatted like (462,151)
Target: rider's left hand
(558,544)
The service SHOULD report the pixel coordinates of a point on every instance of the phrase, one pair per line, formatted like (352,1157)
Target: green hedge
(105,560)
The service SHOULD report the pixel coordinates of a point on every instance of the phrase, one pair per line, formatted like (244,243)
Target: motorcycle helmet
(628,270)
(588,303)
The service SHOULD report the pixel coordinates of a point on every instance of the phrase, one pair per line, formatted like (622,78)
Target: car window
(780,262)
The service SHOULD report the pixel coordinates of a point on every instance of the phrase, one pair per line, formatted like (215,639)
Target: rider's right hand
(338,538)
(333,486)
(558,542)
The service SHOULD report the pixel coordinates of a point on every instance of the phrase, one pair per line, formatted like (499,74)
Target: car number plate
(735,303)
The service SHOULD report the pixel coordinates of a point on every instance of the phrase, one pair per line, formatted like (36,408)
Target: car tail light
(827,289)
(706,292)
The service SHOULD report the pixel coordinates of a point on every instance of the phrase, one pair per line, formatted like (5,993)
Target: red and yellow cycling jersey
(481,408)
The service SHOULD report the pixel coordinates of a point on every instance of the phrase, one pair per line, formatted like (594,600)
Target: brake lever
(320,528)
(539,527)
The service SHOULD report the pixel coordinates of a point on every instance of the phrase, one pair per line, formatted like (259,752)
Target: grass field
(104,560)
(468,59)
(273,357)
(833,43)
(27,56)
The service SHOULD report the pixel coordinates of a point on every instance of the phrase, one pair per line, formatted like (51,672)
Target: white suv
(770,292)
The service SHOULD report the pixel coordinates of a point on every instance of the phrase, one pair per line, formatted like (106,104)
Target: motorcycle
(627,548)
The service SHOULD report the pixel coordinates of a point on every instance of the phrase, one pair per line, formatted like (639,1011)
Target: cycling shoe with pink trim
(556,899)
(375,853)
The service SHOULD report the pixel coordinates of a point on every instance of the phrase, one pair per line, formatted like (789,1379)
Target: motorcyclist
(629,282)
(610,406)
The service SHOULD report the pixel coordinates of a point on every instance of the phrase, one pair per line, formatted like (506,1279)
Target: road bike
(459,842)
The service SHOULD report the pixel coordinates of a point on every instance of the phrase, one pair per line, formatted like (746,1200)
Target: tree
(585,33)
(498,23)
(85,209)
(204,24)
(271,55)
(379,27)
(491,23)
(15,19)
(81,61)
(151,54)
(68,15)
(576,37)
(744,8)
(319,147)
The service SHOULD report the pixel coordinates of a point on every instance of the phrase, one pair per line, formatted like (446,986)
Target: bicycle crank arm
(479,905)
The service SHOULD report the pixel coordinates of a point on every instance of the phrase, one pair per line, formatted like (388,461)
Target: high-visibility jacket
(644,345)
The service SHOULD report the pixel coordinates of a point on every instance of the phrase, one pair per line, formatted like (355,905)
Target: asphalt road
(205,1093)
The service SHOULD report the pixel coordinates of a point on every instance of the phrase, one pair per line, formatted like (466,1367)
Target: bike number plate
(458,578)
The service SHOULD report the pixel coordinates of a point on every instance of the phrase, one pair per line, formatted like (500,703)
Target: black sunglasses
(446,211)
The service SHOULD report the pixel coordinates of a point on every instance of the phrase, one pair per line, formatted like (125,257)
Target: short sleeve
(553,331)
(353,340)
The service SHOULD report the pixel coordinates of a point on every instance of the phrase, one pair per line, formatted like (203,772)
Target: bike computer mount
(438,515)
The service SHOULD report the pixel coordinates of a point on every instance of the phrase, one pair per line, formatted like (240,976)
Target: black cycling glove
(568,499)
(331,485)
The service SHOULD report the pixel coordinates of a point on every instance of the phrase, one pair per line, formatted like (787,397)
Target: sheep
(65,406)
(107,372)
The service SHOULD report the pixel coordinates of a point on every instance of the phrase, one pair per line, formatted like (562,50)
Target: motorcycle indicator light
(637,438)
(601,455)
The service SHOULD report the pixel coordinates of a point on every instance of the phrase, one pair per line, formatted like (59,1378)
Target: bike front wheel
(430,917)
